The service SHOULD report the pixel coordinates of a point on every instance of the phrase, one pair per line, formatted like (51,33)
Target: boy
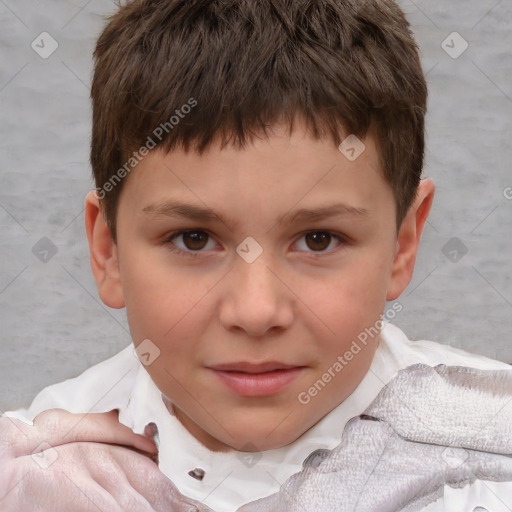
(258,201)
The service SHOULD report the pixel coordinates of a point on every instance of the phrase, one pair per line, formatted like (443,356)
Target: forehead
(271,175)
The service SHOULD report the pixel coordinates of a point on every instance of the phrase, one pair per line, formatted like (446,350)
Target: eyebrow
(179,209)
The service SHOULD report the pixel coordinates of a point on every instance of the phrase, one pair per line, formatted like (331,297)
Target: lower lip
(258,384)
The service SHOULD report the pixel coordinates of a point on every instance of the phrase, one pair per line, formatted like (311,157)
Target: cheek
(155,296)
(168,307)
(347,301)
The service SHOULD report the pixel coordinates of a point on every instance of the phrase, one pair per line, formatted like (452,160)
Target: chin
(262,439)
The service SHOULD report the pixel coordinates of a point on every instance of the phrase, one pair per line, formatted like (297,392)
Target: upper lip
(247,367)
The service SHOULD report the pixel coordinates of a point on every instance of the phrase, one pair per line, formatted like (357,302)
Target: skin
(84,463)
(301,302)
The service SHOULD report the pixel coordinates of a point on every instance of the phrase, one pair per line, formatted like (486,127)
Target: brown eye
(318,240)
(192,241)
(195,240)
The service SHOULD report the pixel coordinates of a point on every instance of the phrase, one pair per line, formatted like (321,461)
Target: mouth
(256,380)
(245,367)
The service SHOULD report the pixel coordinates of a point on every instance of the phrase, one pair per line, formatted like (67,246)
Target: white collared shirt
(231,479)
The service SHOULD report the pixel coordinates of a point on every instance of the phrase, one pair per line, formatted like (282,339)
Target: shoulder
(405,352)
(100,388)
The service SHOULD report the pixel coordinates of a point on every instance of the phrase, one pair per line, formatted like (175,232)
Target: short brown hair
(246,64)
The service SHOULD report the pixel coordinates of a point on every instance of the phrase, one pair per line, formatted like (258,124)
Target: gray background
(52,323)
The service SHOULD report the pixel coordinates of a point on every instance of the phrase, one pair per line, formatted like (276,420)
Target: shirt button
(480,509)
(197,473)
(315,458)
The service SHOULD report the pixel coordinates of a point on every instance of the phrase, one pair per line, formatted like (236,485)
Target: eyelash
(343,240)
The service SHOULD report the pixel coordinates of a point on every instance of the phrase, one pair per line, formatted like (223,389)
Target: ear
(103,253)
(409,239)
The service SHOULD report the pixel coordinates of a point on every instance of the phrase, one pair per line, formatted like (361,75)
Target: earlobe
(409,239)
(103,253)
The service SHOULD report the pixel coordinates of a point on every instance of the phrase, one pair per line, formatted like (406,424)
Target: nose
(256,299)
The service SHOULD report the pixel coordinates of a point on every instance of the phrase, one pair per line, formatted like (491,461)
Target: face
(252,270)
